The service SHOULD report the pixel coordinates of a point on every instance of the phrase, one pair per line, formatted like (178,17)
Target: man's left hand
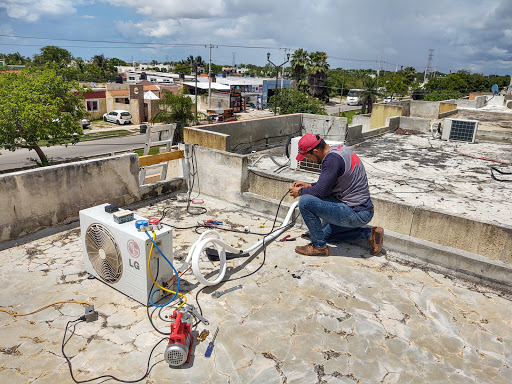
(294,191)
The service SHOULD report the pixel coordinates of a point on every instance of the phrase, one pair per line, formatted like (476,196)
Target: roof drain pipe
(194,254)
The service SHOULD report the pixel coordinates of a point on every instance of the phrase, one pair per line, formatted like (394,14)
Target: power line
(347,59)
(206,45)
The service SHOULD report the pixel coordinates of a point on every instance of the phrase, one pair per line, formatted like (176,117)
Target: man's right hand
(301,184)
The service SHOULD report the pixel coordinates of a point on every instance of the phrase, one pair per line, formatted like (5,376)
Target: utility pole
(378,71)
(195,90)
(277,74)
(429,65)
(210,77)
(282,69)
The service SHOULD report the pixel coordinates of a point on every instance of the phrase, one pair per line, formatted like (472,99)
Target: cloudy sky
(464,34)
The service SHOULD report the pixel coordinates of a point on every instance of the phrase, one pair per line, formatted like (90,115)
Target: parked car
(389,99)
(85,123)
(118,117)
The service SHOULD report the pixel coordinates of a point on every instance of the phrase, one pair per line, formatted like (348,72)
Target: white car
(118,117)
(389,99)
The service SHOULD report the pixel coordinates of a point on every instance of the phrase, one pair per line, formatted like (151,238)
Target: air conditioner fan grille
(103,253)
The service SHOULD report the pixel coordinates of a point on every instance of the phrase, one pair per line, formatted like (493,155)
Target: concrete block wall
(206,138)
(479,237)
(241,133)
(42,198)
(496,100)
(328,127)
(381,112)
(416,123)
(426,109)
(446,107)
(363,121)
(220,174)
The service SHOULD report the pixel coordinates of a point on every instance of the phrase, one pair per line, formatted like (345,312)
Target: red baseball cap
(306,144)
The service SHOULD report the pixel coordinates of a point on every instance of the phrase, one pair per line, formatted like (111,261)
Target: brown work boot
(376,240)
(311,250)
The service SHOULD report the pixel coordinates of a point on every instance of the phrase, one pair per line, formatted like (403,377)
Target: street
(20,158)
(336,108)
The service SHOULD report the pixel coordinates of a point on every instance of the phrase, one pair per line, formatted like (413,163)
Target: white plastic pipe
(194,254)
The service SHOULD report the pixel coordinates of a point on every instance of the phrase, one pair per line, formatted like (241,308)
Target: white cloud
(174,9)
(464,33)
(33,10)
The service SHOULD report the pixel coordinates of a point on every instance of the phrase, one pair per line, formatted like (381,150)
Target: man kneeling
(340,197)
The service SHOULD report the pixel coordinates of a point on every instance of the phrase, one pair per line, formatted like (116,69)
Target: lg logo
(134,251)
(135,264)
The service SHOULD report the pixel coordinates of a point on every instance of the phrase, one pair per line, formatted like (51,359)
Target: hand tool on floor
(220,293)
(209,350)
(204,333)
(288,238)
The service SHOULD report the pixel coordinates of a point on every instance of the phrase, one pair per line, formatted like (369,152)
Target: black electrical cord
(110,377)
(442,188)
(234,149)
(501,172)
(264,245)
(150,316)
(194,172)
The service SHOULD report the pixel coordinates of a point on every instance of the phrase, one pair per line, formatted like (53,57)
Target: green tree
(369,94)
(298,64)
(16,58)
(39,105)
(395,84)
(174,108)
(291,100)
(107,70)
(409,74)
(442,95)
(317,68)
(53,54)
(117,62)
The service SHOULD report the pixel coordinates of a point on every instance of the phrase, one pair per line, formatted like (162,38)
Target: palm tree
(175,108)
(317,68)
(298,63)
(369,94)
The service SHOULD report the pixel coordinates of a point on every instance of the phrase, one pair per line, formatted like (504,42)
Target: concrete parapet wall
(242,133)
(426,109)
(220,174)
(206,138)
(45,197)
(479,102)
(42,198)
(483,238)
(446,107)
(363,121)
(381,112)
(329,127)
(417,123)
(496,100)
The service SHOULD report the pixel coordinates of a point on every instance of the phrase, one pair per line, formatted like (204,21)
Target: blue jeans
(341,223)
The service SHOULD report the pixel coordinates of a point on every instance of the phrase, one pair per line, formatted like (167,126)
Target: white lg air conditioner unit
(460,130)
(306,165)
(117,254)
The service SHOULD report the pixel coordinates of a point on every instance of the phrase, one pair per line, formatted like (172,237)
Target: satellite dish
(495,89)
